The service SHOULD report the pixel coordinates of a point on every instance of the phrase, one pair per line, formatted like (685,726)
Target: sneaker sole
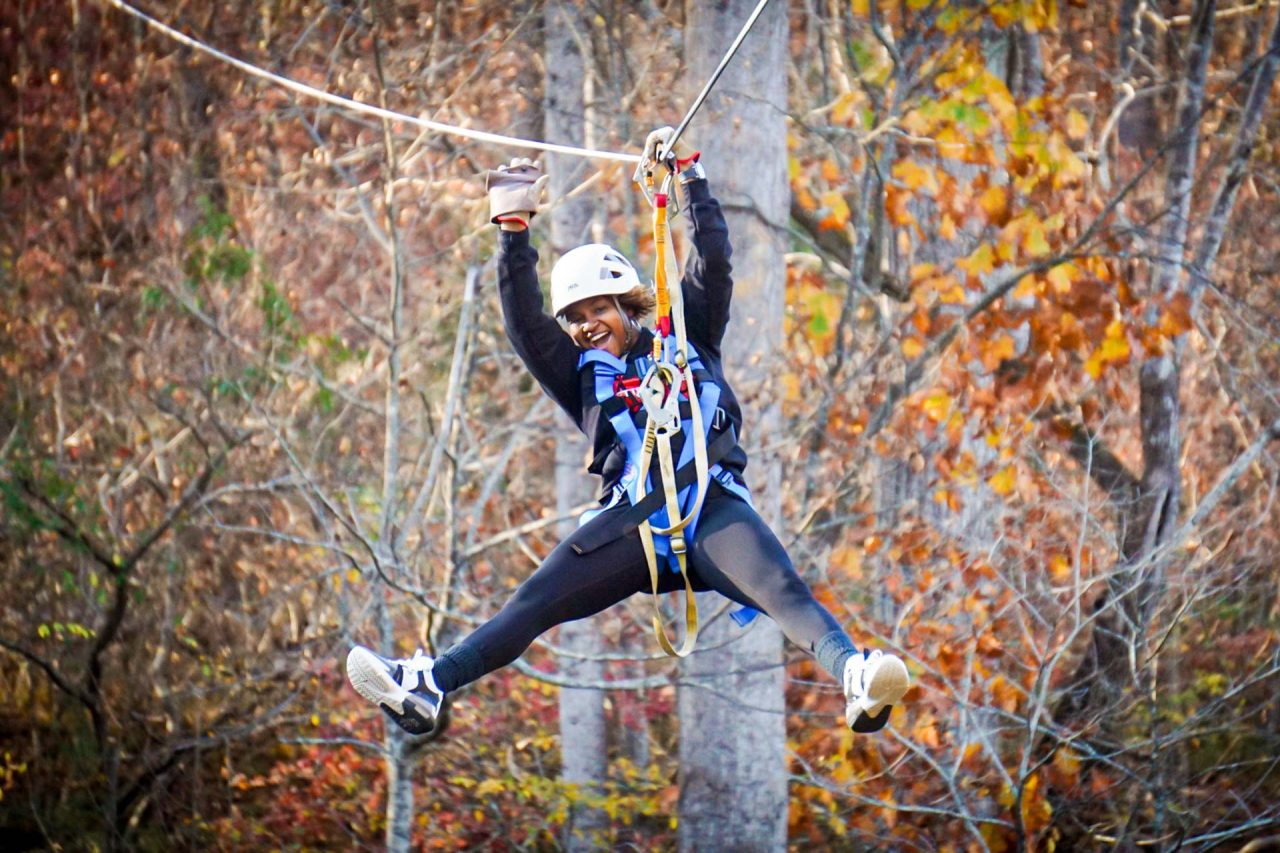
(372,681)
(889,683)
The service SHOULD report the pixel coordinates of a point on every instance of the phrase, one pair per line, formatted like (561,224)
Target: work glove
(515,191)
(657,141)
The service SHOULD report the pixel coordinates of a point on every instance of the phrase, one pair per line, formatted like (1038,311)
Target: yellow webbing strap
(670,302)
(663,441)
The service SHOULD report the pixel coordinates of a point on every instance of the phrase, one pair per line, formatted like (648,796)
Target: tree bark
(732,716)
(1246,137)
(583,735)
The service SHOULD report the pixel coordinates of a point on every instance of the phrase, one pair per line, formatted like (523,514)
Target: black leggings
(733,553)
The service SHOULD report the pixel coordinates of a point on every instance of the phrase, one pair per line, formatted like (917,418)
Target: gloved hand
(514,192)
(656,143)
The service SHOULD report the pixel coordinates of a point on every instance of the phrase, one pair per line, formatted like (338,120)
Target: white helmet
(591,270)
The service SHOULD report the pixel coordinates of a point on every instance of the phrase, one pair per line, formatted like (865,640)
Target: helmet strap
(630,323)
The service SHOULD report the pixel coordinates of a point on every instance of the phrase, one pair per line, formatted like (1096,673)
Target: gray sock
(456,667)
(832,651)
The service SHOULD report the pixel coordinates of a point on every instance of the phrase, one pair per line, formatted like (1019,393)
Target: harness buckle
(719,418)
(677,544)
(627,387)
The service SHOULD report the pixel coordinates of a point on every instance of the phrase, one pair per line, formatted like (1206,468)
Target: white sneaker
(873,681)
(403,688)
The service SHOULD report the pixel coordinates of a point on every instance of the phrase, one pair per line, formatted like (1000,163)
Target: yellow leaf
(914,176)
(488,787)
(791,388)
(1002,481)
(1012,231)
(1001,15)
(1059,567)
(980,262)
(846,108)
(912,347)
(1115,347)
(947,230)
(1093,366)
(830,171)
(1033,240)
(998,96)
(993,201)
(837,210)
(1061,277)
(1077,124)
(997,351)
(1045,15)
(1028,286)
(315,720)
(952,142)
(1066,165)
(937,405)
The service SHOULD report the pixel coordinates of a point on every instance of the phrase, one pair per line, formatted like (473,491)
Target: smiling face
(596,323)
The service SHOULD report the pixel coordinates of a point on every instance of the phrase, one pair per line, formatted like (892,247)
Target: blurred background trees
(257,405)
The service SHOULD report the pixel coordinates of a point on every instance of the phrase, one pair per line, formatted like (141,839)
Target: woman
(594,331)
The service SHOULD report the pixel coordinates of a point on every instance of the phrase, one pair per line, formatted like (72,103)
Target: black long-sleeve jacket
(552,357)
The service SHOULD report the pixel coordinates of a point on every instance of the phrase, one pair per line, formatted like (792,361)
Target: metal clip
(661,401)
(643,179)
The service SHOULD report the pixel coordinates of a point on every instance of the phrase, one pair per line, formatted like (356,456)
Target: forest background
(1014,412)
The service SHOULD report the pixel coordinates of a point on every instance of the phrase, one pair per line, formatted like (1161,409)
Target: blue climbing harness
(608,380)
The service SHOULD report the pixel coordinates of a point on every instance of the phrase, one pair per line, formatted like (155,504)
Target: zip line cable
(369,109)
(715,76)
(440,127)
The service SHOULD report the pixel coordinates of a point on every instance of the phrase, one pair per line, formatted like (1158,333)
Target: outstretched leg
(735,553)
(565,587)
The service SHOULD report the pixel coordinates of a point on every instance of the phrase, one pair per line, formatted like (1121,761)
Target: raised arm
(708,281)
(537,338)
(707,284)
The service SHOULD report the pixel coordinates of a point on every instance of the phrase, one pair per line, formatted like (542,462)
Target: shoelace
(859,675)
(411,670)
